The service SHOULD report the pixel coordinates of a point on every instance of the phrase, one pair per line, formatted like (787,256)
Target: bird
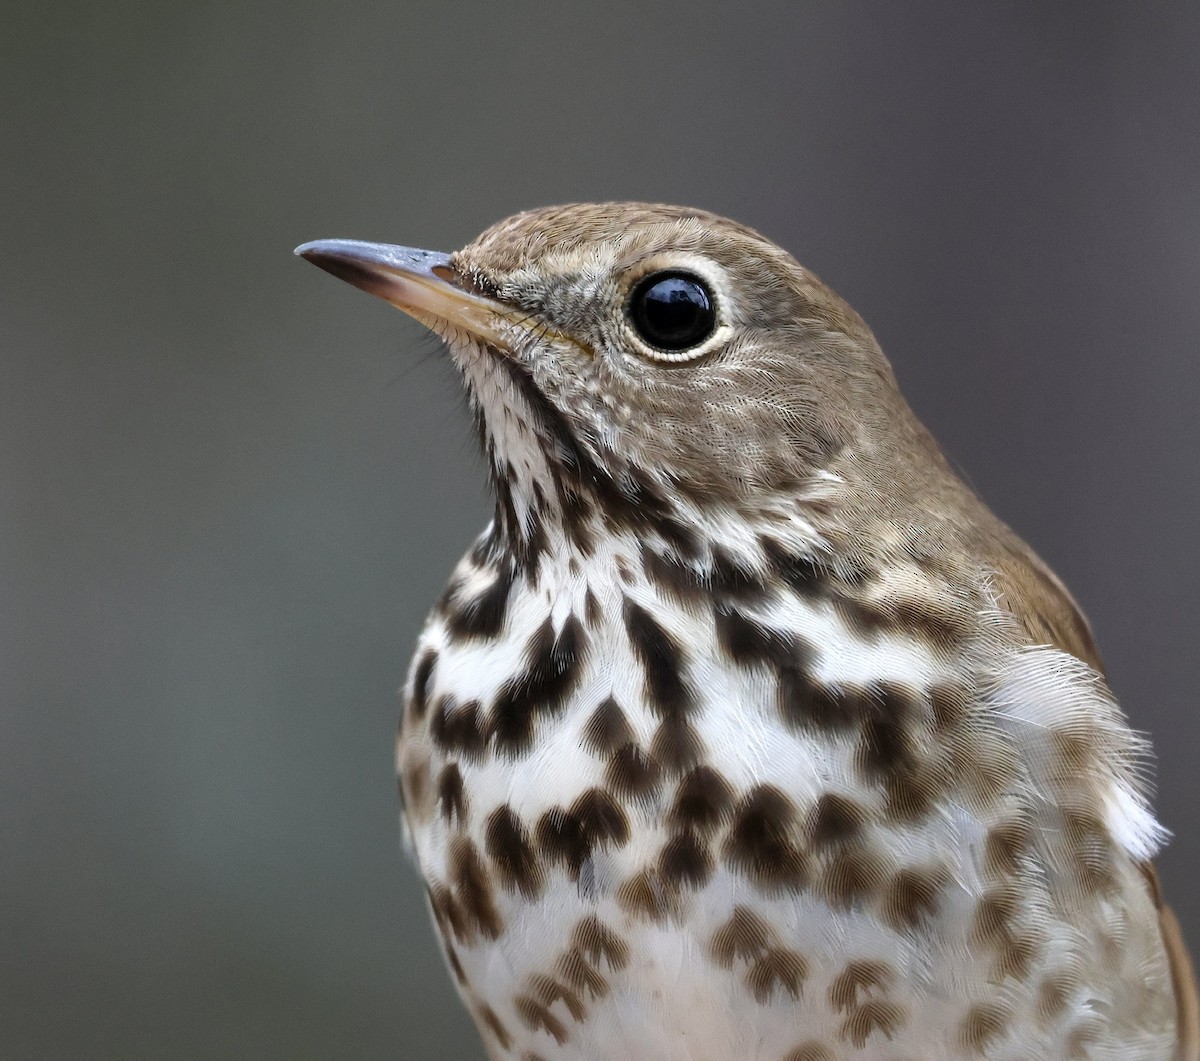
(745,730)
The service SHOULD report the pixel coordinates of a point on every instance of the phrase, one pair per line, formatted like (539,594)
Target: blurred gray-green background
(232,486)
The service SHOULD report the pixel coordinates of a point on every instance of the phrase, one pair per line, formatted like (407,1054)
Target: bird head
(654,359)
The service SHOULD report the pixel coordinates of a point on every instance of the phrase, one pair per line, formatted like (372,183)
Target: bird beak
(422,283)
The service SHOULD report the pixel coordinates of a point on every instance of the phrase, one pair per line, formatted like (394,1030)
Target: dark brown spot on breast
(888,741)
(984,765)
(996,914)
(607,729)
(912,896)
(685,861)
(875,1016)
(576,970)
(852,874)
(939,627)
(858,979)
(600,818)
(731,578)
(482,615)
(452,798)
(749,643)
(567,837)
(575,508)
(446,912)
(889,751)
(422,680)
(553,665)
(524,539)
(458,728)
(703,801)
(630,772)
(507,844)
(473,891)
(599,943)
(776,969)
(744,936)
(537,1017)
(912,792)
(591,609)
(669,694)
(676,745)
(949,706)
(1091,849)
(1075,748)
(561,839)
(984,1024)
(1006,845)
(1016,957)
(549,991)
(835,819)
(676,578)
(414,787)
(644,895)
(678,536)
(1054,993)
(805,703)
(799,573)
(760,842)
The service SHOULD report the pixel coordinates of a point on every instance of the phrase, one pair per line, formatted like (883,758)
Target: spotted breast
(745,730)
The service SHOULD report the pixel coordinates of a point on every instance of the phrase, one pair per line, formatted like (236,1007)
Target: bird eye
(673,311)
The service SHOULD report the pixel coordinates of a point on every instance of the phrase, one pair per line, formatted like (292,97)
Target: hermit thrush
(745,730)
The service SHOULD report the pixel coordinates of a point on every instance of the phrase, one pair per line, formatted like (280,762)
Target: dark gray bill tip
(375,267)
(385,257)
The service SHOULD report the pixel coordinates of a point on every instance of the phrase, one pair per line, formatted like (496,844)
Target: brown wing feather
(1042,604)
(1183,976)
(1049,614)
(1187,995)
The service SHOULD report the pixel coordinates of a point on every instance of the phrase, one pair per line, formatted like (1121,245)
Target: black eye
(673,311)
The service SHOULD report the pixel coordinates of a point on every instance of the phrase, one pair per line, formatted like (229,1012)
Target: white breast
(901,939)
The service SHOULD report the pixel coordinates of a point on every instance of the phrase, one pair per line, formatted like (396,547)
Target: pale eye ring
(673,311)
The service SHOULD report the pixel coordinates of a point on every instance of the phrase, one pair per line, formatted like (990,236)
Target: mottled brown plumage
(746,729)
